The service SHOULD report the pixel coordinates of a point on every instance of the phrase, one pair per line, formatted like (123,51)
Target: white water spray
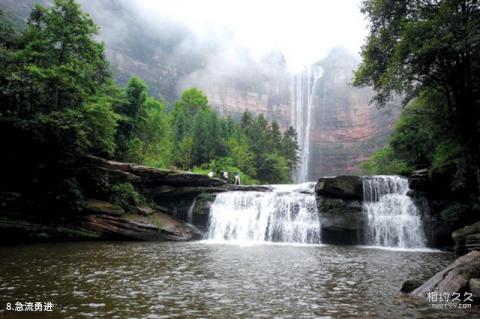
(286,214)
(190,211)
(303,89)
(393,218)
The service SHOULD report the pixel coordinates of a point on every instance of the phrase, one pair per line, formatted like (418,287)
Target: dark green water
(198,280)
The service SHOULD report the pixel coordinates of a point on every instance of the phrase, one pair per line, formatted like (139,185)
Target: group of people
(225,176)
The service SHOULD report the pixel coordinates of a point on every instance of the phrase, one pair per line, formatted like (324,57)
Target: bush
(383,162)
(125,195)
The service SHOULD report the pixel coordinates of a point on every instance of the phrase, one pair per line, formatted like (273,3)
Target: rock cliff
(345,128)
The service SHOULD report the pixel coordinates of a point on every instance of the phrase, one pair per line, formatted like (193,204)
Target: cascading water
(303,89)
(393,218)
(190,211)
(286,214)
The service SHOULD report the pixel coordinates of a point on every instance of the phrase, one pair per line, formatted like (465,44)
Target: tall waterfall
(393,218)
(303,88)
(287,214)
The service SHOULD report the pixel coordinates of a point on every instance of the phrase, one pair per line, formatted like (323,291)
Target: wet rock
(410,285)
(419,179)
(347,186)
(155,227)
(341,220)
(201,212)
(454,278)
(144,210)
(102,207)
(467,238)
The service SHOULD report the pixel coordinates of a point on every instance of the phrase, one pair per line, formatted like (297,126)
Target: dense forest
(428,53)
(60,103)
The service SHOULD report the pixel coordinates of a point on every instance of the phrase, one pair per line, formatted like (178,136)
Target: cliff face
(345,128)
(273,103)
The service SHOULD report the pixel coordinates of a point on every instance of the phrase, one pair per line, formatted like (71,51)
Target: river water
(205,280)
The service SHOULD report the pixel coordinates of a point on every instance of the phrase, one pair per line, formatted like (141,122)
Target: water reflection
(198,280)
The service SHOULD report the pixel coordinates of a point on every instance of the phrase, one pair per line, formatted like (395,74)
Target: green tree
(200,147)
(424,47)
(290,148)
(133,111)
(59,63)
(192,100)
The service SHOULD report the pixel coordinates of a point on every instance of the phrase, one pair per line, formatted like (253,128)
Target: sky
(303,30)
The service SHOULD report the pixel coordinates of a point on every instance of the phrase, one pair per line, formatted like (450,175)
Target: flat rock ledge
(162,182)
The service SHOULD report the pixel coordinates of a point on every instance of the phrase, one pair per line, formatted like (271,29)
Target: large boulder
(347,186)
(453,279)
(467,238)
(341,220)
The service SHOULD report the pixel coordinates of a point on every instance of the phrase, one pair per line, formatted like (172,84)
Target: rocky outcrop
(154,227)
(339,202)
(342,220)
(347,186)
(151,176)
(443,213)
(453,279)
(467,239)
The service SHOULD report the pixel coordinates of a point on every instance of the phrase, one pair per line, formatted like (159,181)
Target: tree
(290,148)
(133,112)
(155,134)
(429,47)
(192,100)
(274,136)
(200,148)
(59,63)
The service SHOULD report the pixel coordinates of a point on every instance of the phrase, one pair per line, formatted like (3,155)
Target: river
(207,280)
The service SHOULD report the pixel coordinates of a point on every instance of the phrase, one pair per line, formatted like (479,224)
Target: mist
(226,42)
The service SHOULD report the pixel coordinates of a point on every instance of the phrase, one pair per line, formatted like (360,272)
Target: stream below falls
(206,280)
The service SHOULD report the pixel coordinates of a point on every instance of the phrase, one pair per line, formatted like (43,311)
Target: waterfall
(190,211)
(303,89)
(286,214)
(393,218)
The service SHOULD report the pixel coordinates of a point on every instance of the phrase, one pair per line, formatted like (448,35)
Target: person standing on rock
(237,179)
(225,176)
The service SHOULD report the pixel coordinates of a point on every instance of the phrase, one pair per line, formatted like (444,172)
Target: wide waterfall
(303,88)
(393,218)
(286,214)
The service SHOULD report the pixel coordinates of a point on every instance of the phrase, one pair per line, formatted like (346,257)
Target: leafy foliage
(428,52)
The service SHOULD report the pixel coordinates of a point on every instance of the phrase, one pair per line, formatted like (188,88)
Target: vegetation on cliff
(428,52)
(59,103)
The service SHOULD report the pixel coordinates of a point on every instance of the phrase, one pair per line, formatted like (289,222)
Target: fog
(214,40)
